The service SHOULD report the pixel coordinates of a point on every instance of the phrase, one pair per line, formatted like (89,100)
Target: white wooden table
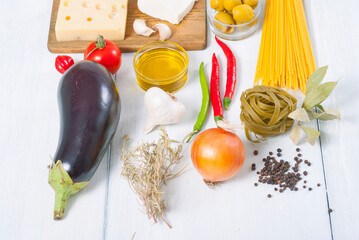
(108,209)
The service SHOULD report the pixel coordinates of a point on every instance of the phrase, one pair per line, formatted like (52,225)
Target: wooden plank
(191,33)
(336,42)
(234,210)
(29,134)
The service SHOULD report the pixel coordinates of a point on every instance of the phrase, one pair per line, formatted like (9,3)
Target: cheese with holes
(85,20)
(172,11)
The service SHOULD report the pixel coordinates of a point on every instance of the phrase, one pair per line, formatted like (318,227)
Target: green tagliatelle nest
(265,111)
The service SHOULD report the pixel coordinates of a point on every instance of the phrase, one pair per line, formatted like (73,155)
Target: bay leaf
(295,135)
(324,116)
(334,112)
(316,78)
(312,140)
(320,107)
(299,115)
(311,132)
(318,95)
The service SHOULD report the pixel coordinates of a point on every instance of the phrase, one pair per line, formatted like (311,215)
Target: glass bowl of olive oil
(161,64)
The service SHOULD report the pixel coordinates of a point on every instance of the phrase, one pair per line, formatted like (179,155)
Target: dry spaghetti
(265,111)
(285,57)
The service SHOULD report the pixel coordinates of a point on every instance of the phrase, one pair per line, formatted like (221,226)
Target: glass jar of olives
(234,19)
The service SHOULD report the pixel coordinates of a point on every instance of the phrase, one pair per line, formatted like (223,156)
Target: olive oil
(162,67)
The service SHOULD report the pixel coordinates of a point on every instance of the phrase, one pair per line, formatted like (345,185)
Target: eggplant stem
(63,186)
(60,204)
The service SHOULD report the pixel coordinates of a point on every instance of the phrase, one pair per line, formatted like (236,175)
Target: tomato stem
(100,43)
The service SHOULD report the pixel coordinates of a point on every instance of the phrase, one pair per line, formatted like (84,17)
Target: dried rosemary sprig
(147,168)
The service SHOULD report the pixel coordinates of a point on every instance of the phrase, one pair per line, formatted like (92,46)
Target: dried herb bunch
(147,168)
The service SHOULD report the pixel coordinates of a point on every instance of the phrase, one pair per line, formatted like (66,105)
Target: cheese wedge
(172,11)
(85,20)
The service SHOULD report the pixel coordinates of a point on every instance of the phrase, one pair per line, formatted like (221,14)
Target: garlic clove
(149,127)
(227,125)
(162,108)
(139,25)
(164,30)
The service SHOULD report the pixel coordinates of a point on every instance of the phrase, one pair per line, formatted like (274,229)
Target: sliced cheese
(172,11)
(85,20)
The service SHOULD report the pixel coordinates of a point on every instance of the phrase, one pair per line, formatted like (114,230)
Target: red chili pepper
(63,62)
(215,92)
(231,73)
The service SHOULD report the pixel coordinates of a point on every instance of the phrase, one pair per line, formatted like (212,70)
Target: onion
(217,154)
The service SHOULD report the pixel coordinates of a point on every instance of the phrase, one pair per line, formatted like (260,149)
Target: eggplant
(89,106)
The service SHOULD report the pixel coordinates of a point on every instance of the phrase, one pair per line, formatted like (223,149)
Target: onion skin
(217,154)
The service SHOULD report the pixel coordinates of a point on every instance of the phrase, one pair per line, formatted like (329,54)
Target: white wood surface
(335,44)
(108,209)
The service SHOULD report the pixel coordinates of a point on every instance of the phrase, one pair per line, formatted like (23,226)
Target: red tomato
(104,52)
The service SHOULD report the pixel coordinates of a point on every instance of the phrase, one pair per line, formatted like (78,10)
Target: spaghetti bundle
(285,56)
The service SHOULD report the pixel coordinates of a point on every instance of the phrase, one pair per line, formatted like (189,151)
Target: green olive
(217,5)
(252,3)
(243,13)
(225,18)
(230,4)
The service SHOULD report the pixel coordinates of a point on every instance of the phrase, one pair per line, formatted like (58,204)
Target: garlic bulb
(162,108)
(164,30)
(139,25)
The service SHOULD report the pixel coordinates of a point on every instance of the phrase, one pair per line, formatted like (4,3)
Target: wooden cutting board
(191,33)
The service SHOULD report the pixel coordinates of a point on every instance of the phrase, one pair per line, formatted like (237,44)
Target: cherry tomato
(104,52)
(63,62)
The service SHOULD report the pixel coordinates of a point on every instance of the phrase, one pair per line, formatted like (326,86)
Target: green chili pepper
(205,103)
